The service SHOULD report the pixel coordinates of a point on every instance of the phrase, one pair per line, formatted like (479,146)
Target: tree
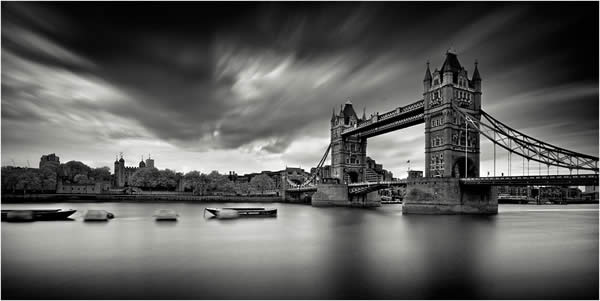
(242,188)
(72,168)
(145,177)
(262,182)
(10,177)
(29,180)
(100,174)
(167,179)
(48,177)
(196,181)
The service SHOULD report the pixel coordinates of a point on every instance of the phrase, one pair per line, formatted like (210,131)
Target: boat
(97,215)
(37,214)
(166,215)
(236,212)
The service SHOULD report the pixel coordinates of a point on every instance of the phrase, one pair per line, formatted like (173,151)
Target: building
(149,162)
(95,188)
(590,193)
(50,161)
(413,174)
(122,173)
(445,135)
(347,155)
(294,174)
(374,172)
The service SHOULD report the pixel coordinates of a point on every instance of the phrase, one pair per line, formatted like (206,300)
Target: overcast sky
(250,87)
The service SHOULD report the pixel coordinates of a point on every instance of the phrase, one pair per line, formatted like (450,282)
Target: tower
(119,179)
(445,134)
(149,162)
(347,154)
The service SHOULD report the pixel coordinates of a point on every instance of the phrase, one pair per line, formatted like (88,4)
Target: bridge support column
(331,195)
(448,196)
(368,200)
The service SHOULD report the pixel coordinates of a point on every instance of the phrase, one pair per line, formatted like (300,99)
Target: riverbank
(76,198)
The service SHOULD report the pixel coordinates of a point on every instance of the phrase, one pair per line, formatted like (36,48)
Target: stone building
(294,174)
(347,155)
(95,188)
(51,161)
(445,135)
(374,172)
(122,173)
(149,162)
(413,174)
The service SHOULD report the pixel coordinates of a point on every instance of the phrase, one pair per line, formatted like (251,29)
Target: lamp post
(466,142)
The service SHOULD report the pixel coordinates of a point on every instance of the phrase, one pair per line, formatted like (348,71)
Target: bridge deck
(566,180)
(560,180)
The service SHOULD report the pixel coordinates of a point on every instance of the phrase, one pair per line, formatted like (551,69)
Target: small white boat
(166,215)
(237,212)
(97,215)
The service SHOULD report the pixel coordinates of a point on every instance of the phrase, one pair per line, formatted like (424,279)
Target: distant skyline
(247,87)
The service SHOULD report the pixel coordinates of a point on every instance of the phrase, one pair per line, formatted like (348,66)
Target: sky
(247,87)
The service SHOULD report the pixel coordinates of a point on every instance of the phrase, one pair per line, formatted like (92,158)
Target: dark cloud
(259,76)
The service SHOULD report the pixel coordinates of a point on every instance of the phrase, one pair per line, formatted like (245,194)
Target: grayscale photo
(299,150)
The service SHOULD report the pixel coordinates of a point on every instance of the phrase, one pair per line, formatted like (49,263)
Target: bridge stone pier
(448,196)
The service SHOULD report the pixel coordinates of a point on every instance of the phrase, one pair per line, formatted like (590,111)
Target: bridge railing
(359,184)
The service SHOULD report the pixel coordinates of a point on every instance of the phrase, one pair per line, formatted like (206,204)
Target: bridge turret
(427,79)
(333,116)
(476,80)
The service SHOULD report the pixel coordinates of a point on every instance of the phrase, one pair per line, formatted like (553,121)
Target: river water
(524,252)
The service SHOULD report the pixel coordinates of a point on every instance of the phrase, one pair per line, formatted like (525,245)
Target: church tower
(347,155)
(445,134)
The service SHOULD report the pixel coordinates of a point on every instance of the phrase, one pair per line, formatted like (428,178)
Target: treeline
(214,183)
(197,182)
(21,179)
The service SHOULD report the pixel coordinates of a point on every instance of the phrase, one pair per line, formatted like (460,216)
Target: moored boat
(97,215)
(235,212)
(37,214)
(166,215)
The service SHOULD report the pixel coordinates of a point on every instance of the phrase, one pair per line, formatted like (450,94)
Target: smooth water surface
(524,252)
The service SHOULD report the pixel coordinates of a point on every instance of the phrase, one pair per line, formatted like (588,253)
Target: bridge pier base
(331,195)
(368,200)
(448,196)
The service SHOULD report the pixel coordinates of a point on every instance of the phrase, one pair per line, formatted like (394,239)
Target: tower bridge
(451,109)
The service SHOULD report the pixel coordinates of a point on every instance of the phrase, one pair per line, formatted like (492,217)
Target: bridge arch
(353,176)
(296,181)
(458,168)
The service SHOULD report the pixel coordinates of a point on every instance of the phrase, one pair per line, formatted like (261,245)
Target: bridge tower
(444,129)
(348,156)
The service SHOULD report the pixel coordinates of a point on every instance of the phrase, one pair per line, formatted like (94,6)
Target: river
(524,252)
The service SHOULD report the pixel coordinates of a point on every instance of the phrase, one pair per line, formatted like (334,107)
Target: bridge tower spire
(445,135)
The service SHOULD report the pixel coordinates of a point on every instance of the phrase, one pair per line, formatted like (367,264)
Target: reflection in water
(304,253)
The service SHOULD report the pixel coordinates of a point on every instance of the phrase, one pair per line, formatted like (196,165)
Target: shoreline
(81,198)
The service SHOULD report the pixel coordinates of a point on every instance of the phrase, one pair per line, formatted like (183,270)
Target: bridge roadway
(564,180)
